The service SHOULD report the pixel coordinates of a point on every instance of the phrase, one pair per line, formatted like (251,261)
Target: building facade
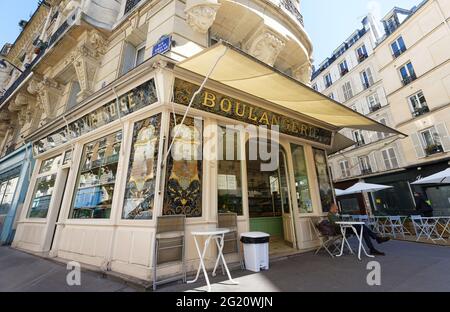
(119,138)
(408,91)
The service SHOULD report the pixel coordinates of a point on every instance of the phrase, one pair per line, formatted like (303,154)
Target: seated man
(367,233)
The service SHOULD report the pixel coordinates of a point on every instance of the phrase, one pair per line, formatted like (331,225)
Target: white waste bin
(256,250)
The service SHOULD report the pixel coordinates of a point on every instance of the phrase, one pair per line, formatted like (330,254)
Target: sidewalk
(408,267)
(23,272)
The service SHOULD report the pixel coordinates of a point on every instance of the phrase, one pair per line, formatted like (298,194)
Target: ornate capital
(265,45)
(201,14)
(303,73)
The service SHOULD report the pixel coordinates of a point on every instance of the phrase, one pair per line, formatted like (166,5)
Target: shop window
(96,178)
(43,190)
(229,178)
(184,169)
(303,192)
(7,190)
(325,189)
(141,179)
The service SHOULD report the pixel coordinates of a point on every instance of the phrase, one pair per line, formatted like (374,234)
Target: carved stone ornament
(69,6)
(201,14)
(265,45)
(303,73)
(48,95)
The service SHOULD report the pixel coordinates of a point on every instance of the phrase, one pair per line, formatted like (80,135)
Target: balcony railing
(289,5)
(362,57)
(375,108)
(43,48)
(398,53)
(434,149)
(366,171)
(130,5)
(407,80)
(344,72)
(366,85)
(328,84)
(421,111)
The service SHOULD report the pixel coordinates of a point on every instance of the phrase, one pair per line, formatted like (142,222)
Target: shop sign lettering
(223,105)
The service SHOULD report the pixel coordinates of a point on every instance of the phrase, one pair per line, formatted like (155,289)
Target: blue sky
(328,22)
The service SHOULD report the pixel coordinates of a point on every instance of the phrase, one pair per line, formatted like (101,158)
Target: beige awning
(243,72)
(340,142)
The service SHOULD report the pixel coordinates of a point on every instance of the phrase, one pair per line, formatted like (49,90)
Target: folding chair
(331,244)
(422,227)
(169,246)
(395,226)
(231,239)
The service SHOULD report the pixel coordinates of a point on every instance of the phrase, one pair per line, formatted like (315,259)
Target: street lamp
(4,65)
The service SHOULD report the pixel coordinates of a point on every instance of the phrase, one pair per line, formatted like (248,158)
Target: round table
(210,234)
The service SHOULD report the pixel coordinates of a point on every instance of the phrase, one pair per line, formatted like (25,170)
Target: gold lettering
(294,127)
(264,119)
(304,130)
(123,104)
(251,116)
(224,108)
(275,120)
(209,100)
(131,101)
(236,109)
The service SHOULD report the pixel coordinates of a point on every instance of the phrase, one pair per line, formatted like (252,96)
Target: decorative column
(201,14)
(265,45)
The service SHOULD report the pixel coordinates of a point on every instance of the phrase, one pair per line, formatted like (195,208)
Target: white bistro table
(218,236)
(351,225)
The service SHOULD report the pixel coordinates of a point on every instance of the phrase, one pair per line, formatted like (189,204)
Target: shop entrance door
(270,208)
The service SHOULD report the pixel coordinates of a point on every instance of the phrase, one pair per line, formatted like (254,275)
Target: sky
(328,22)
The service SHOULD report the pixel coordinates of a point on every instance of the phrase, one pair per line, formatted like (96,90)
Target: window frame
(389,158)
(139,48)
(396,42)
(344,164)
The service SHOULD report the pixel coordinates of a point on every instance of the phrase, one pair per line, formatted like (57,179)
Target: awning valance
(243,72)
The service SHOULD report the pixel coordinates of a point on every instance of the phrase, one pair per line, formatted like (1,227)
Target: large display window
(7,190)
(325,188)
(229,172)
(142,168)
(303,192)
(44,187)
(184,168)
(96,178)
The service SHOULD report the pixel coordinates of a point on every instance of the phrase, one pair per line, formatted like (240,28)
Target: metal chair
(422,227)
(331,243)
(395,226)
(231,239)
(169,246)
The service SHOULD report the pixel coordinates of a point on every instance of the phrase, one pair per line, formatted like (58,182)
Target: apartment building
(410,92)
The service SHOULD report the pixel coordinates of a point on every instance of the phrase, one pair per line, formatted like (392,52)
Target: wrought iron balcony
(421,111)
(375,108)
(434,149)
(366,85)
(407,80)
(130,5)
(398,53)
(366,171)
(344,72)
(289,5)
(40,51)
(362,57)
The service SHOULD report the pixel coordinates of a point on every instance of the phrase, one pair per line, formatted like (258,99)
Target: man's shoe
(381,240)
(375,252)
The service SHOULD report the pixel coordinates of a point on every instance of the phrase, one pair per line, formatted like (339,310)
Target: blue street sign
(162,46)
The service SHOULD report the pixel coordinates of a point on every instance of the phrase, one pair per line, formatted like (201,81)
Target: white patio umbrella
(339,192)
(365,187)
(442,177)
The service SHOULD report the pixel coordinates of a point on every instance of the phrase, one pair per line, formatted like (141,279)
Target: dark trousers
(368,235)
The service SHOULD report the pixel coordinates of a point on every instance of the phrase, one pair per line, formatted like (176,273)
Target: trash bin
(256,250)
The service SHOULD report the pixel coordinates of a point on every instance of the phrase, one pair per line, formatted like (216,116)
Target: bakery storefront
(253,142)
